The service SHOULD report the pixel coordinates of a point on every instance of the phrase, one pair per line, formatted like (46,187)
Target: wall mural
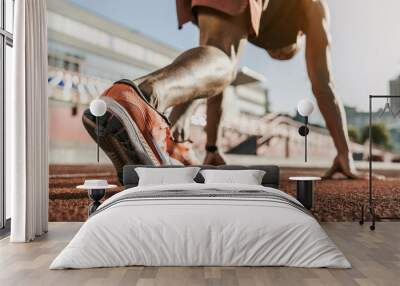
(229,98)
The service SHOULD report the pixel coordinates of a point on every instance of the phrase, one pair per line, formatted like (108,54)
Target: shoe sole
(120,137)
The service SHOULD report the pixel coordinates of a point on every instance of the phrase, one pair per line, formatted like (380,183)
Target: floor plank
(375,257)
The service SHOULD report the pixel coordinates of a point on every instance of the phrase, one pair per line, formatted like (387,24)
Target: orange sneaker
(134,132)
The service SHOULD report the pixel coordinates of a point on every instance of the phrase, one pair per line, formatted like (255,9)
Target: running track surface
(335,200)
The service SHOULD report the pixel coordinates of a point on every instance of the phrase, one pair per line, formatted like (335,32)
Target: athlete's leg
(203,71)
(200,72)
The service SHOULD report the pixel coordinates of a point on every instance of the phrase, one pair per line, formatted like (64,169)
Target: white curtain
(26,130)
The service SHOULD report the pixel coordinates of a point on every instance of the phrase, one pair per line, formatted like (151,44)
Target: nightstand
(305,192)
(96,191)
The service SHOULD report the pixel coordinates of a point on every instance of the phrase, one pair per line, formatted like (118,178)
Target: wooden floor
(375,257)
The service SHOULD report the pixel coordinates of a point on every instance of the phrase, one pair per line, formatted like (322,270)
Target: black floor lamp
(370,204)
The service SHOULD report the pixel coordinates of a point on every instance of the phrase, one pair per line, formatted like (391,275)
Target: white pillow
(166,176)
(248,177)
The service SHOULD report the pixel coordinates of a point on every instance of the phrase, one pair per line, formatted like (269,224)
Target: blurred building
(394,86)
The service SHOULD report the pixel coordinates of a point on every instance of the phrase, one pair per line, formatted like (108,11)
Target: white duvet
(204,231)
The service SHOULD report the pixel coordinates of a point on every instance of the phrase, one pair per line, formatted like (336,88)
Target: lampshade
(305,107)
(98,107)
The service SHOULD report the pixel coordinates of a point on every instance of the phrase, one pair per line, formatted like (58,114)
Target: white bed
(246,225)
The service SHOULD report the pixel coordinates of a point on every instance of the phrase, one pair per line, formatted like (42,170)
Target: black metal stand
(370,205)
(305,193)
(95,195)
(97,139)
(305,138)
(303,131)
